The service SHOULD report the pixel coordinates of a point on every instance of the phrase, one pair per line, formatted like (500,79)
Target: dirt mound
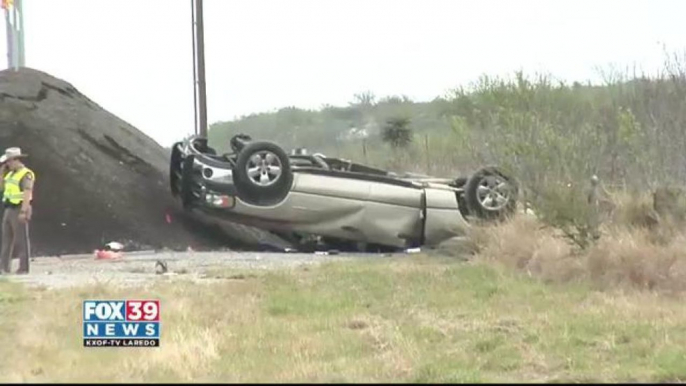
(99,179)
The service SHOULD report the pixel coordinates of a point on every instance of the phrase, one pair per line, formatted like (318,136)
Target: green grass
(415,319)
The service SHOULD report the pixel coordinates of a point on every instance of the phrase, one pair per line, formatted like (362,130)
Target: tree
(365,99)
(397,132)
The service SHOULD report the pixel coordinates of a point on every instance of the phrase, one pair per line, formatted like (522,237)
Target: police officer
(17,186)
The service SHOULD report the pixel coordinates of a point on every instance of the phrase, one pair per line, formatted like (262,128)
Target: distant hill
(629,130)
(331,126)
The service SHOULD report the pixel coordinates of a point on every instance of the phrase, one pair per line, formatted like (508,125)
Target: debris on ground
(108,255)
(327,253)
(160,267)
(110,251)
(114,246)
(137,269)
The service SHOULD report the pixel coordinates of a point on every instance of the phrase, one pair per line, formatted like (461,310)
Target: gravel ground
(138,269)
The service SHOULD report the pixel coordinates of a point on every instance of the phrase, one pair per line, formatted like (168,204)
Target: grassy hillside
(404,319)
(629,131)
(552,136)
(331,129)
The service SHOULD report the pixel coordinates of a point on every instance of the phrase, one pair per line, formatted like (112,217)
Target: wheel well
(462,203)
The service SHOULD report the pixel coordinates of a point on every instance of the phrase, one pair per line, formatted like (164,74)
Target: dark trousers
(15,241)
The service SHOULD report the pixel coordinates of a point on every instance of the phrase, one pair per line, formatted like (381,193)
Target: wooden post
(593,201)
(199,64)
(364,149)
(426,149)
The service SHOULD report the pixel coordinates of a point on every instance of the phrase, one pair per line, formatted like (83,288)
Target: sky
(134,57)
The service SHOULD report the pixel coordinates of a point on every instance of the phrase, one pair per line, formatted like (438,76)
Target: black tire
(460,182)
(174,168)
(251,191)
(239,141)
(187,182)
(462,204)
(485,176)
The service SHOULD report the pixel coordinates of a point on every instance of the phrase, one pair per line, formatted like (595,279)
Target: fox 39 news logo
(121,323)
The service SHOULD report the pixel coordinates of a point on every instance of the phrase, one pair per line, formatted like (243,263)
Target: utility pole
(199,69)
(195,71)
(10,33)
(14,20)
(19,14)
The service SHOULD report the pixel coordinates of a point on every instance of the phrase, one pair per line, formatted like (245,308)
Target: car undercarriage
(311,199)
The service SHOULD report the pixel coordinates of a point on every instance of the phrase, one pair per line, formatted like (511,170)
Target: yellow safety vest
(13,192)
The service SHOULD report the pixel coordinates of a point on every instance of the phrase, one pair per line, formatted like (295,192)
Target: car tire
(462,204)
(460,182)
(482,190)
(255,175)
(187,182)
(175,170)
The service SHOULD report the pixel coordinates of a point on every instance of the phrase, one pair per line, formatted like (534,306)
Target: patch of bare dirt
(139,268)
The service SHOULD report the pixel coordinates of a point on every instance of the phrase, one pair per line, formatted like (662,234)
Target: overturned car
(298,195)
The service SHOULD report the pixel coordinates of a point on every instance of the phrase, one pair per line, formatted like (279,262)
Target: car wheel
(491,195)
(187,182)
(262,174)
(175,170)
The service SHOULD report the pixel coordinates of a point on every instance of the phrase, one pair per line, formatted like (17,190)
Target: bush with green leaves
(550,135)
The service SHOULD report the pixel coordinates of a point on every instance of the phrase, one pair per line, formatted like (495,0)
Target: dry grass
(412,319)
(638,249)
